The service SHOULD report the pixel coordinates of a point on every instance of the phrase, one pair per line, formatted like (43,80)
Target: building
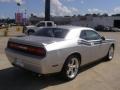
(112,21)
(90,21)
(87,21)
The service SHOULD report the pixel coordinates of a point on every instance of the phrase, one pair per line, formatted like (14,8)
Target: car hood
(31,26)
(35,40)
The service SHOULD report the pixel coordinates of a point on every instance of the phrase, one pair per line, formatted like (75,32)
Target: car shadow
(17,79)
(90,65)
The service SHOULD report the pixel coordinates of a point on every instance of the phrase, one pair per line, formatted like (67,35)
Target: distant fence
(11,31)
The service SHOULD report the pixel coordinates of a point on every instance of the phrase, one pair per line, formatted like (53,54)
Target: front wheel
(30,32)
(71,68)
(110,54)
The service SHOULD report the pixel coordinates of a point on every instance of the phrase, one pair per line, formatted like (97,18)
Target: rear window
(52,32)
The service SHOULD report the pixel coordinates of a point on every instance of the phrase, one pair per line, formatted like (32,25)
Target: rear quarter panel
(60,51)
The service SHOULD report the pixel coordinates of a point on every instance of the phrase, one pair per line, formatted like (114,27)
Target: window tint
(92,35)
(49,24)
(40,24)
(83,35)
(89,35)
(45,32)
(52,32)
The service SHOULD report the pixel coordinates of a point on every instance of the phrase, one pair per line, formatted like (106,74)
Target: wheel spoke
(72,72)
(73,61)
(68,72)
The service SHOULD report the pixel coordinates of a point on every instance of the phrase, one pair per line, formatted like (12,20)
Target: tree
(105,15)
(18,4)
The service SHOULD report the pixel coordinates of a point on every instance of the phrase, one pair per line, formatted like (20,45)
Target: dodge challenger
(60,49)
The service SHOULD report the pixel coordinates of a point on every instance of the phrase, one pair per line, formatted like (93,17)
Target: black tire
(69,66)
(30,32)
(110,54)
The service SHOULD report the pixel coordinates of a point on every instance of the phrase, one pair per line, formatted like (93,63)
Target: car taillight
(37,51)
(40,51)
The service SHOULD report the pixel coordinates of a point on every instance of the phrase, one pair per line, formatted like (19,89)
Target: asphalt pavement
(100,75)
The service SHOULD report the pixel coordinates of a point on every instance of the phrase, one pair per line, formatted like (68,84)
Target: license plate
(19,63)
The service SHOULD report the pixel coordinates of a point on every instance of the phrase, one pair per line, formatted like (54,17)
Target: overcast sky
(60,7)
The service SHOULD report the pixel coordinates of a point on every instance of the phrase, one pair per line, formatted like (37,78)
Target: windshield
(52,32)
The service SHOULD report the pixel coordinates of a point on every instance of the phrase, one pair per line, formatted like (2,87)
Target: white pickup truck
(33,28)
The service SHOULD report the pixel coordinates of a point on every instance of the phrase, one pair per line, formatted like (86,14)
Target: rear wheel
(71,68)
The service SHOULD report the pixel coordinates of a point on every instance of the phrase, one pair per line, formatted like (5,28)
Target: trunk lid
(35,40)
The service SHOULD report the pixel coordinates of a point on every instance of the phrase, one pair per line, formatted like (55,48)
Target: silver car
(59,49)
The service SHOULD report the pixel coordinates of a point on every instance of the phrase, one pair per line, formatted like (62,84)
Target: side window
(49,24)
(40,24)
(83,35)
(92,35)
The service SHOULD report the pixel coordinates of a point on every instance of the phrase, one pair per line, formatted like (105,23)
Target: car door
(95,38)
(91,42)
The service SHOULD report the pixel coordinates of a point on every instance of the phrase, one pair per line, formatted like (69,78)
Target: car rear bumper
(38,65)
(24,61)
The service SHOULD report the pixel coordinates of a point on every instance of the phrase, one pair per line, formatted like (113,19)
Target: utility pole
(47,10)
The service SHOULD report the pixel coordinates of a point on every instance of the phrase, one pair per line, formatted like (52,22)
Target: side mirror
(103,38)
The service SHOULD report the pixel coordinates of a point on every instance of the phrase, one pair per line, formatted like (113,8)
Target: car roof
(70,27)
